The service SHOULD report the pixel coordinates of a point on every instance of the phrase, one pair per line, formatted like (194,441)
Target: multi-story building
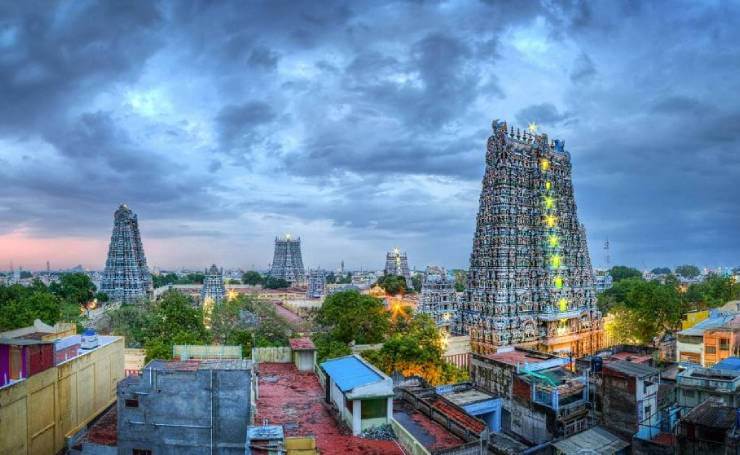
(602,281)
(719,329)
(438,297)
(192,407)
(126,276)
(316,284)
(62,388)
(696,384)
(709,429)
(629,398)
(530,279)
(542,399)
(397,263)
(287,262)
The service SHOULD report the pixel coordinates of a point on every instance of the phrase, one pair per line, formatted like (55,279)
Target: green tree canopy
(393,284)
(160,280)
(660,271)
(275,283)
(688,271)
(621,272)
(351,316)
(713,292)
(252,278)
(21,305)
(75,288)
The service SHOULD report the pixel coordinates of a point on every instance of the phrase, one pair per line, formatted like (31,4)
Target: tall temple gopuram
(287,262)
(437,297)
(396,263)
(126,276)
(213,288)
(530,280)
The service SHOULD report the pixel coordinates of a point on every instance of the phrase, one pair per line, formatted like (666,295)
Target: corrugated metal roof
(730,363)
(350,372)
(713,322)
(637,370)
(595,440)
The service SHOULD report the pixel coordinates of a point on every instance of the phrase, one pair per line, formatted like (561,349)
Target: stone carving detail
(530,275)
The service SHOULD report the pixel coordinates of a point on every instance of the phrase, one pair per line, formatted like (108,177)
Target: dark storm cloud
(545,113)
(359,114)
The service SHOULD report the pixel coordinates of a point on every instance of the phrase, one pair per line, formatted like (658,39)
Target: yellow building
(37,414)
(694,317)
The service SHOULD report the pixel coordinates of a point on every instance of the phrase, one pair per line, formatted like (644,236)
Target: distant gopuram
(126,276)
(287,262)
(316,284)
(530,280)
(213,288)
(438,298)
(396,263)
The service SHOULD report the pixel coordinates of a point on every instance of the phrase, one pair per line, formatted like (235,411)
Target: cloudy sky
(360,126)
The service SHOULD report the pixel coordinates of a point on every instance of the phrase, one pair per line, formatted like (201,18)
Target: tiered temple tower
(287,262)
(530,280)
(438,296)
(316,284)
(396,263)
(213,285)
(126,277)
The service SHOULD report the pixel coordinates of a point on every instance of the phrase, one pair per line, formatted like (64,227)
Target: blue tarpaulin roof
(349,372)
(730,363)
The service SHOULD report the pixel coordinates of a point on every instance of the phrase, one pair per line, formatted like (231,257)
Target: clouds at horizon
(360,126)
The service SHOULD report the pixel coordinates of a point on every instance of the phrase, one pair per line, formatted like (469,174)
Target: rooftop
(596,440)
(301,344)
(350,371)
(195,365)
(103,431)
(429,433)
(712,413)
(636,370)
(631,357)
(730,363)
(295,400)
(712,322)
(518,356)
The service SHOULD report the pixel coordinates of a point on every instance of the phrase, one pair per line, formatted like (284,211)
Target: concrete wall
(38,414)
(304,360)
(178,414)
(282,354)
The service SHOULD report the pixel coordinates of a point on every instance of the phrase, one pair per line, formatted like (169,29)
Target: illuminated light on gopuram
(530,280)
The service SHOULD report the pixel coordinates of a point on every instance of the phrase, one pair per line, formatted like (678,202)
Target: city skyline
(343,125)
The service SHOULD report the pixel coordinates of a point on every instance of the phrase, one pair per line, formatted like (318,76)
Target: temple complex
(530,280)
(287,262)
(316,284)
(213,285)
(126,276)
(396,263)
(438,296)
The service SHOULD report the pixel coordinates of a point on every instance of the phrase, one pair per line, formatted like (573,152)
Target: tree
(713,292)
(75,288)
(25,274)
(461,277)
(101,297)
(160,280)
(21,305)
(661,271)
(329,348)
(225,316)
(275,283)
(621,272)
(173,320)
(393,284)
(252,278)
(331,278)
(416,282)
(191,278)
(642,310)
(350,316)
(688,271)
(416,350)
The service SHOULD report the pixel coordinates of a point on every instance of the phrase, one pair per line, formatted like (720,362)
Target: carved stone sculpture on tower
(126,276)
(287,262)
(530,280)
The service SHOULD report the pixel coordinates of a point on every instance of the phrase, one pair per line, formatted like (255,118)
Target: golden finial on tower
(532,128)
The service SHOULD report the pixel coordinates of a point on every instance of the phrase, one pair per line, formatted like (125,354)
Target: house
(362,394)
(696,384)
(690,342)
(188,407)
(21,358)
(708,429)
(629,396)
(596,440)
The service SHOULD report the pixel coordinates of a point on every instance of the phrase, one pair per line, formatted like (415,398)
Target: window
(688,393)
(724,344)
(711,350)
(141,452)
(374,409)
(132,403)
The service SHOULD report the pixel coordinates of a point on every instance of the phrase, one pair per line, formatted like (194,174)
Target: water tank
(89,339)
